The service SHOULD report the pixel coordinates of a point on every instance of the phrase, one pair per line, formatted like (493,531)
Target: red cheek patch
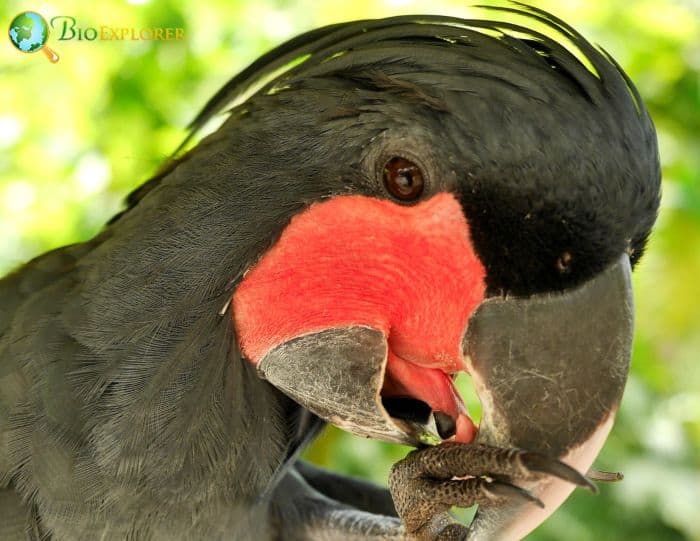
(409,271)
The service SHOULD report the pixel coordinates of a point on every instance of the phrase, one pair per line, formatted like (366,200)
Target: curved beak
(550,371)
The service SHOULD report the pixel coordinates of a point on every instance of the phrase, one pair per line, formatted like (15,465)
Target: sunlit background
(76,136)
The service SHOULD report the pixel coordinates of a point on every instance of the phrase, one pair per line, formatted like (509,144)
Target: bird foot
(429,481)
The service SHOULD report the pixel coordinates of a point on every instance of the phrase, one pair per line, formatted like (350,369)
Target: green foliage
(77,136)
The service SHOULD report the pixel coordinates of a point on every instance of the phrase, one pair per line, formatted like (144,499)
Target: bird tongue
(432,386)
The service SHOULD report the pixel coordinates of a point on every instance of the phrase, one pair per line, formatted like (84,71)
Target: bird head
(429,196)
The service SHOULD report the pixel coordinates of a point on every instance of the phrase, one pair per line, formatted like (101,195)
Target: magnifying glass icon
(29,33)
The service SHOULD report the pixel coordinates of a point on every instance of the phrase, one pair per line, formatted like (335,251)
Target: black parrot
(388,203)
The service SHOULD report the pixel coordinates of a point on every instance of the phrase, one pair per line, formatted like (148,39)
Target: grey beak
(347,391)
(550,371)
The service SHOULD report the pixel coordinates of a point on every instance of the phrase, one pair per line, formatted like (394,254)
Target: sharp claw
(500,489)
(543,464)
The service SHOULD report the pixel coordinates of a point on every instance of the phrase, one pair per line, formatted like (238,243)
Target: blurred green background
(76,136)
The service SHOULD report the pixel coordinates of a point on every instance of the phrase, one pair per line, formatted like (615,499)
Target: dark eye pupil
(403,179)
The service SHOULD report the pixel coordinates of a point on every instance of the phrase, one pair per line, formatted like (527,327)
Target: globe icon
(29,33)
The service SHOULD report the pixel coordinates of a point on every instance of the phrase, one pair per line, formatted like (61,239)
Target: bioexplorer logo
(29,33)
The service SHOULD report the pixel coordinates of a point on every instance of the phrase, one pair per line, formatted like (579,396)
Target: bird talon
(501,490)
(542,464)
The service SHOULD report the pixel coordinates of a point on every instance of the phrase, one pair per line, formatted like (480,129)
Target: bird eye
(403,179)
(564,263)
